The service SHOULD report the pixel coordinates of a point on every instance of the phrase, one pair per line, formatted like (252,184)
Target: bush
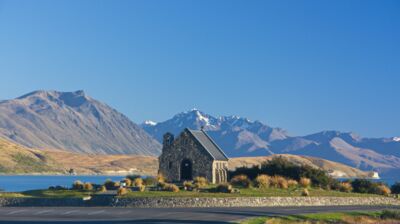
(241,181)
(77,185)
(111,185)
(395,188)
(188,185)
(132,177)
(292,183)
(122,191)
(382,190)
(224,188)
(280,166)
(141,188)
(137,182)
(262,181)
(128,182)
(160,178)
(282,183)
(171,187)
(88,186)
(149,181)
(200,182)
(305,192)
(305,182)
(103,188)
(345,187)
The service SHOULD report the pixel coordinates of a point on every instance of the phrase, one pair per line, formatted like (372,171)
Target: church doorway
(186,170)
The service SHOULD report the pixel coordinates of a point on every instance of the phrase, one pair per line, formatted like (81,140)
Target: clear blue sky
(305,66)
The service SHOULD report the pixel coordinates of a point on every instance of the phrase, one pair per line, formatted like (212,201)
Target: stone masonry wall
(184,147)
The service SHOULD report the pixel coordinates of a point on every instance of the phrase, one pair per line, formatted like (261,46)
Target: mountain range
(72,121)
(242,137)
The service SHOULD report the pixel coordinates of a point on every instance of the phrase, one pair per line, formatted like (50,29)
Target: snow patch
(151,123)
(396,139)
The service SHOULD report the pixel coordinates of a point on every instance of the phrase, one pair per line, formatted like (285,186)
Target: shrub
(142,188)
(171,187)
(365,186)
(241,181)
(395,188)
(262,181)
(150,181)
(305,192)
(132,177)
(345,187)
(200,182)
(224,188)
(305,182)
(280,166)
(382,190)
(77,185)
(282,183)
(188,185)
(110,185)
(88,186)
(138,182)
(122,191)
(292,183)
(128,182)
(274,181)
(103,188)
(160,178)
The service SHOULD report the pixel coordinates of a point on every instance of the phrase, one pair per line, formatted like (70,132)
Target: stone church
(193,153)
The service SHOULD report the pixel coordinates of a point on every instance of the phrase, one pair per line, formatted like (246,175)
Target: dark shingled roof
(209,145)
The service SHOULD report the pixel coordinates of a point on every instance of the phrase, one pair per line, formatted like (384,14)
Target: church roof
(209,144)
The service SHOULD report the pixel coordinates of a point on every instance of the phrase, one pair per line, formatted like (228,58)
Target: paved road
(61,215)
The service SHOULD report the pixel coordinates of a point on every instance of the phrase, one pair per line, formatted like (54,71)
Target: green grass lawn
(57,193)
(244,192)
(386,216)
(249,192)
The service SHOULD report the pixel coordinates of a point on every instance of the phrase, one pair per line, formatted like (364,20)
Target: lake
(23,183)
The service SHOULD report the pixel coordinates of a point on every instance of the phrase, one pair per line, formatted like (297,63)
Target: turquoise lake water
(24,183)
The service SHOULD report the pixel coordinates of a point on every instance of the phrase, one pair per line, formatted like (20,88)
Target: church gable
(192,154)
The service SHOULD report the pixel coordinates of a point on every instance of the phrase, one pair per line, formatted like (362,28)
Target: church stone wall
(185,147)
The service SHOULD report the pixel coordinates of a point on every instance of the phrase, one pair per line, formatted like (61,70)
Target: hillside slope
(15,158)
(72,121)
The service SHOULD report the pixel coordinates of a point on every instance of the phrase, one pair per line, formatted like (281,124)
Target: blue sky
(305,66)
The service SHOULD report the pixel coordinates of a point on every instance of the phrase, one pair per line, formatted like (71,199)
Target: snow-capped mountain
(240,136)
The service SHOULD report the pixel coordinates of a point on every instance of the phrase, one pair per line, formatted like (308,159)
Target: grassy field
(249,192)
(47,194)
(386,216)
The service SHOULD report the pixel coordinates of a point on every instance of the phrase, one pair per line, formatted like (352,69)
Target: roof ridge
(195,134)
